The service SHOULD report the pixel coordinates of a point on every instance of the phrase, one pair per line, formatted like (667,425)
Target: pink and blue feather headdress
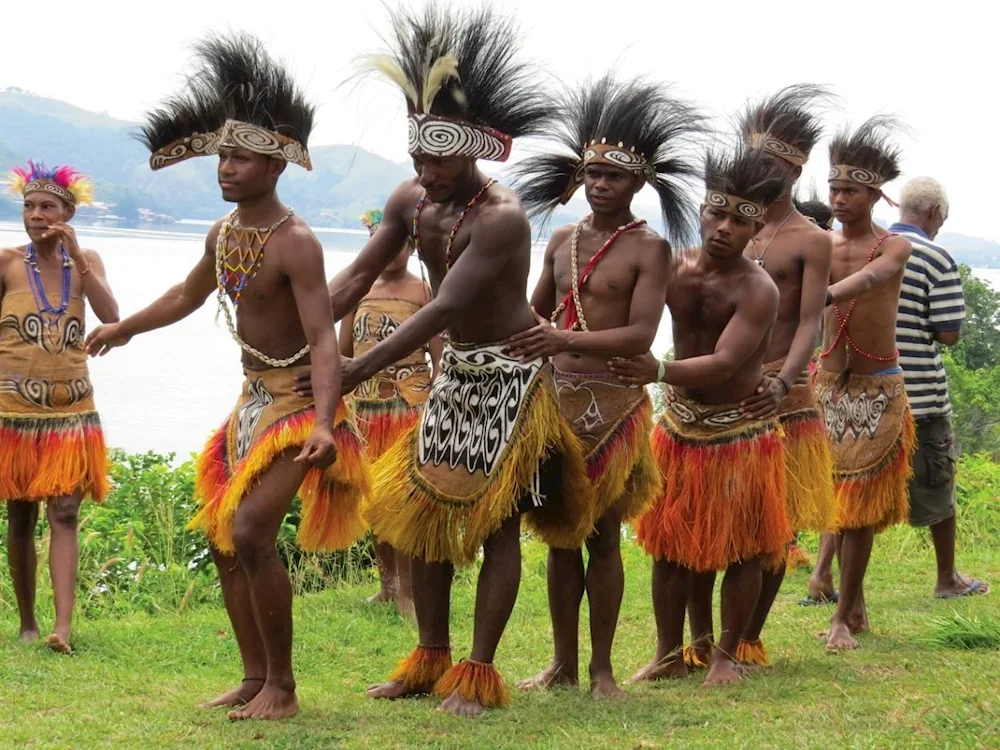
(64,182)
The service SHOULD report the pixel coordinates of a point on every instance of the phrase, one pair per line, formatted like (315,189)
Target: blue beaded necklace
(35,282)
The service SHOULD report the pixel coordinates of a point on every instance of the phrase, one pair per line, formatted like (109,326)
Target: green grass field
(136,681)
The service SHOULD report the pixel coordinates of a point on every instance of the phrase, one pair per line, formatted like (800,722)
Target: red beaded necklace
(574,311)
(842,320)
(454,230)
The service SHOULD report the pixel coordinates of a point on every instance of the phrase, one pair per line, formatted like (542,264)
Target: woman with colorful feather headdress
(51,443)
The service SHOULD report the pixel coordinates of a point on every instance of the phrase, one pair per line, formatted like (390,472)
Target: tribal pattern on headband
(860,175)
(735,205)
(786,151)
(263,141)
(63,182)
(199,144)
(621,156)
(234,134)
(442,136)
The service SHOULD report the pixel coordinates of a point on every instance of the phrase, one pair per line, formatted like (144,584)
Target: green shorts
(932,488)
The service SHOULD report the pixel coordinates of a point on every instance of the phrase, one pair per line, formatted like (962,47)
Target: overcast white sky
(936,69)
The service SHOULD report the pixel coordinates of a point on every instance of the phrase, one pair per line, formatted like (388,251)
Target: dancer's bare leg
(855,551)
(499,580)
(605,589)
(566,582)
(740,592)
(821,581)
(404,577)
(432,604)
(22,558)
(255,530)
(236,595)
(670,592)
(64,558)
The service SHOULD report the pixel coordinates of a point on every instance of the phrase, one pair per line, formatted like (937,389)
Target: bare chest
(611,278)
(851,256)
(700,303)
(441,234)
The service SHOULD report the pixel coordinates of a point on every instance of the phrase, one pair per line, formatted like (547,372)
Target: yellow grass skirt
(269,420)
(490,425)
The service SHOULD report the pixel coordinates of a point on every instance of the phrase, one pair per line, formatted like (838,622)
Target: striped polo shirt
(930,301)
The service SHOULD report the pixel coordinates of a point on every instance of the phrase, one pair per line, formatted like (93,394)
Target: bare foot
(393,690)
(555,675)
(270,703)
(456,705)
(839,638)
(59,643)
(666,668)
(406,609)
(30,635)
(603,686)
(242,695)
(723,671)
(380,597)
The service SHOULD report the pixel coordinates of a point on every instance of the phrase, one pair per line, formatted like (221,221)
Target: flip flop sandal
(808,601)
(976,588)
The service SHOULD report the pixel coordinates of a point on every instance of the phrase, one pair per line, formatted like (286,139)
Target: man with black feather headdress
(603,282)
(860,384)
(265,262)
(723,501)
(796,254)
(491,444)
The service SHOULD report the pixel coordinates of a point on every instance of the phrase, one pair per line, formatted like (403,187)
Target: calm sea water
(168,389)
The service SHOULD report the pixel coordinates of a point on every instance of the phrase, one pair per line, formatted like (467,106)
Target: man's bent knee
(251,541)
(64,512)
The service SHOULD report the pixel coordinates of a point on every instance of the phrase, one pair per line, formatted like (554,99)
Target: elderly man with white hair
(931,311)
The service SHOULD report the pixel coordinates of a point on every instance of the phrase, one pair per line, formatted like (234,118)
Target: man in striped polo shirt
(931,310)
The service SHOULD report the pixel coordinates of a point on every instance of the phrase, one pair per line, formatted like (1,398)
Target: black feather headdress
(867,155)
(238,95)
(786,124)
(637,126)
(467,92)
(743,181)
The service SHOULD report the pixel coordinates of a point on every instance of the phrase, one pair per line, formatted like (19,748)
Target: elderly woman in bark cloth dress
(51,442)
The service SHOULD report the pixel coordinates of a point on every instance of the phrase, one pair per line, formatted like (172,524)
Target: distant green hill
(344,182)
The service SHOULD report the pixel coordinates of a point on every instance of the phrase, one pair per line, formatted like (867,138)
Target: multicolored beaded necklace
(50,315)
(238,265)
(454,230)
(574,315)
(842,320)
(248,251)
